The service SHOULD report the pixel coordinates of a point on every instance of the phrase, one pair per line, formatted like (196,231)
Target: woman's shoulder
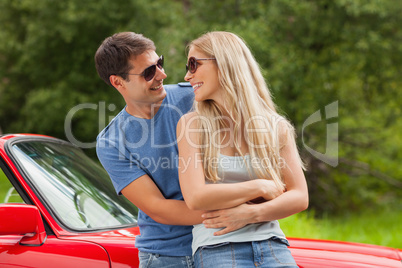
(285,130)
(190,115)
(188,121)
(188,127)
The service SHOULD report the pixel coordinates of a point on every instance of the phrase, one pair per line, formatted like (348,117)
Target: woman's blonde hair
(249,104)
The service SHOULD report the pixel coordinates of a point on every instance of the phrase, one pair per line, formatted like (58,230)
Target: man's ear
(117,82)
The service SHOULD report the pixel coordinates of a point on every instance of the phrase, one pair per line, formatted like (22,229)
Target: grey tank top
(234,169)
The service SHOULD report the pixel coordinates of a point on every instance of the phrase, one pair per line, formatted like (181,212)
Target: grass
(5,185)
(370,227)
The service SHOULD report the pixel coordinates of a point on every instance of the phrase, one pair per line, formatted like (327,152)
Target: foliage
(369,227)
(312,53)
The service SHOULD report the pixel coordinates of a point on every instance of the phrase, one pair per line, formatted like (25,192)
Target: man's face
(137,91)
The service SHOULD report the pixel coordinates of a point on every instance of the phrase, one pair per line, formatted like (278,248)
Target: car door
(50,251)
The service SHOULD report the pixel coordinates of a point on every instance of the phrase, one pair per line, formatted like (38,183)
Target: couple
(219,144)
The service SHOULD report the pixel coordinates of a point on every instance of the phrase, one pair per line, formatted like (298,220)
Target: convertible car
(58,208)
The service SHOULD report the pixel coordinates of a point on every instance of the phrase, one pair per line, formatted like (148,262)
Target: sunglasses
(149,73)
(192,64)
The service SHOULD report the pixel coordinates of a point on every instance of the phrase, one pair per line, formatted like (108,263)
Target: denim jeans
(267,253)
(151,260)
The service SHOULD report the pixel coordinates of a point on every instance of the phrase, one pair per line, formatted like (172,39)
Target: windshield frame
(8,147)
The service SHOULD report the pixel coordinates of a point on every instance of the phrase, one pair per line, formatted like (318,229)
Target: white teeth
(157,87)
(196,86)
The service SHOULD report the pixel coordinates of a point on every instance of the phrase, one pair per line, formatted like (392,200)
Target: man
(139,151)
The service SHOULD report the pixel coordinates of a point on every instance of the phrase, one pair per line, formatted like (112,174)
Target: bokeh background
(347,53)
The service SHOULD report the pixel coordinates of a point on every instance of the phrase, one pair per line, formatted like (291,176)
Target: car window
(8,194)
(74,187)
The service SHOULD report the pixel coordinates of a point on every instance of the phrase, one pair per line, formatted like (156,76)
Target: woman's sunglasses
(192,64)
(149,73)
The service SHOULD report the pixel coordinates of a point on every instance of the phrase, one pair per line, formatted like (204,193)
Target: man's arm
(142,192)
(146,196)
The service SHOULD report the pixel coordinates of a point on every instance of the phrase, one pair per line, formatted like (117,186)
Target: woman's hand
(270,189)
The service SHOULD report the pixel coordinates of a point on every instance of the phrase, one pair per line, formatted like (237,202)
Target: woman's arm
(201,196)
(294,200)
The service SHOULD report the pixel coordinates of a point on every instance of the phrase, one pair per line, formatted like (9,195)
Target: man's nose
(160,74)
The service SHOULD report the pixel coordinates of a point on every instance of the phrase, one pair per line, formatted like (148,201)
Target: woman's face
(204,80)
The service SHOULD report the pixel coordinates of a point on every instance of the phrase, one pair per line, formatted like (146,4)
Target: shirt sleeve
(119,164)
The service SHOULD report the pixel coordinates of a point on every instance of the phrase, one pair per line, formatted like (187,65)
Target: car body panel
(115,247)
(118,243)
(324,253)
(53,253)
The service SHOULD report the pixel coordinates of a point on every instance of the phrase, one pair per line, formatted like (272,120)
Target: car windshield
(76,189)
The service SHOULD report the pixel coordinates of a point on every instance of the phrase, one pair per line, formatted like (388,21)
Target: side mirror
(25,220)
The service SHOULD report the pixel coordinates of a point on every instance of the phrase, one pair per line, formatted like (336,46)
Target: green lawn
(5,186)
(376,227)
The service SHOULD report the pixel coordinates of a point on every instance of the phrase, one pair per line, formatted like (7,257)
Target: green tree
(312,53)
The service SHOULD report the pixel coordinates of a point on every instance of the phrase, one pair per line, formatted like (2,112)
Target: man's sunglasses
(149,73)
(192,64)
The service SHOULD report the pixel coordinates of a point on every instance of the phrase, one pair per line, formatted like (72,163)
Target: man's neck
(144,112)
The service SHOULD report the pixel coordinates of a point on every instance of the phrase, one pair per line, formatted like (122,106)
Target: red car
(58,208)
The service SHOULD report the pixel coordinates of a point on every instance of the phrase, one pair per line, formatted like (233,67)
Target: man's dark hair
(113,55)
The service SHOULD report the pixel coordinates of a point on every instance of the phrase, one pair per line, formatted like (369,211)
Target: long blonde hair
(249,104)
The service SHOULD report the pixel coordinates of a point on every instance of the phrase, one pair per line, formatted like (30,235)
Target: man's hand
(230,219)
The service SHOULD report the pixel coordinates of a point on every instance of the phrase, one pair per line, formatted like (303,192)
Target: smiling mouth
(196,86)
(157,87)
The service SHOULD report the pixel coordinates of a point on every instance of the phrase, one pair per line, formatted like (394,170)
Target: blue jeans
(151,260)
(267,253)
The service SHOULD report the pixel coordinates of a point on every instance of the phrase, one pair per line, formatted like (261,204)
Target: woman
(233,143)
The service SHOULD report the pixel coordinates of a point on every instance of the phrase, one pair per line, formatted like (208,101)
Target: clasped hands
(232,219)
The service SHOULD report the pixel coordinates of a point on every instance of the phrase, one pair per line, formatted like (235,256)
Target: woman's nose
(188,76)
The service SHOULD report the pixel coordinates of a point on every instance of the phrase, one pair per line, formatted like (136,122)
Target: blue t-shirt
(130,147)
